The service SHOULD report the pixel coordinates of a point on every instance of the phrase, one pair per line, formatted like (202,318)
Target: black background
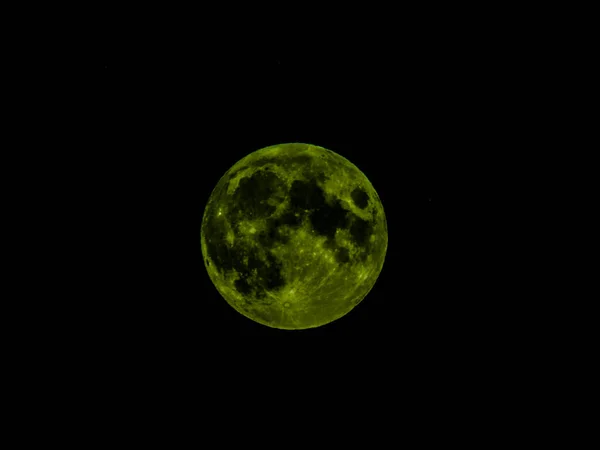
(419,108)
(429,106)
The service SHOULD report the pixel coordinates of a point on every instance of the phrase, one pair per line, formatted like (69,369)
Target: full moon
(294,236)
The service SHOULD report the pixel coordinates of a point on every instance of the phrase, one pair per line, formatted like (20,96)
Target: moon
(294,236)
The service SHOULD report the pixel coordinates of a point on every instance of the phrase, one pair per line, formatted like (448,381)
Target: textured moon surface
(294,236)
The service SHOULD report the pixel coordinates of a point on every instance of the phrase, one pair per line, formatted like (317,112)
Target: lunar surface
(294,236)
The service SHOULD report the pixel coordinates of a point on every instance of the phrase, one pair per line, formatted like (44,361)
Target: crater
(361,230)
(275,229)
(342,255)
(360,198)
(216,247)
(328,218)
(250,197)
(306,195)
(242,286)
(271,275)
(259,271)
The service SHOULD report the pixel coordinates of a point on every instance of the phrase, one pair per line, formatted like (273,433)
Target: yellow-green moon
(294,236)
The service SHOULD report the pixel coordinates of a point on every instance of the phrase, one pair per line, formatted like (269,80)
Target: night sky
(410,108)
